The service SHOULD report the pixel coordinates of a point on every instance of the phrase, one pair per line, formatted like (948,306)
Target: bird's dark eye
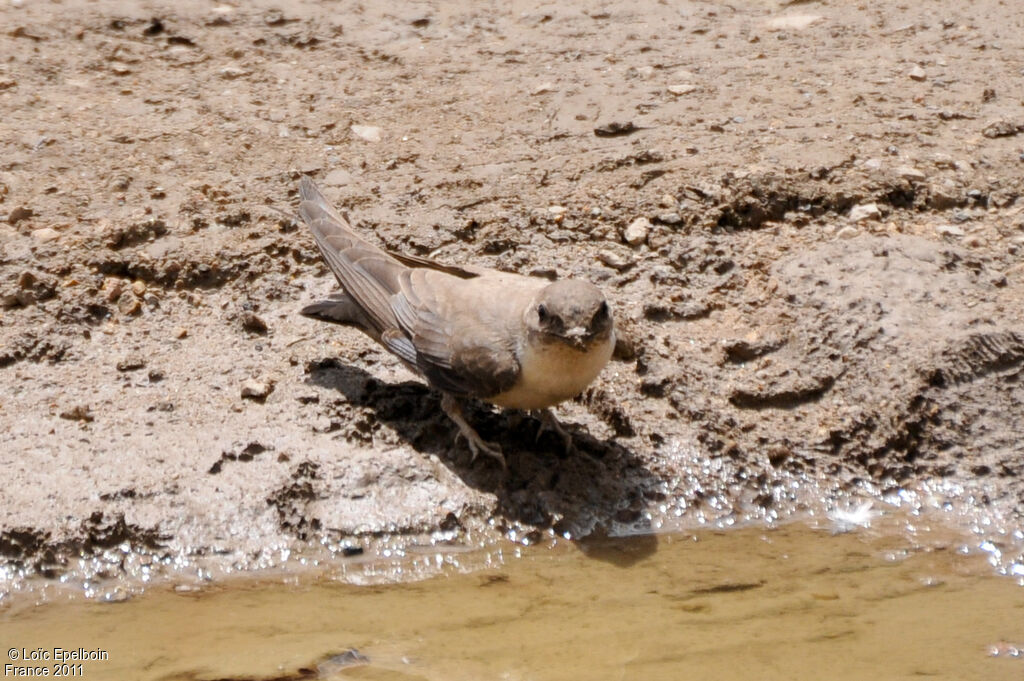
(542,312)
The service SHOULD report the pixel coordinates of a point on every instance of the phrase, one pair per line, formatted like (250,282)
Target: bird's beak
(578,337)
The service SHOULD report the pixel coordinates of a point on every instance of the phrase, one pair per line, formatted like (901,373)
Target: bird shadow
(595,495)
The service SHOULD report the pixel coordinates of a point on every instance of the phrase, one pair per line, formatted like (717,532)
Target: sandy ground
(808,217)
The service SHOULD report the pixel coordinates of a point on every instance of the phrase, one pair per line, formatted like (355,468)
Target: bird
(515,341)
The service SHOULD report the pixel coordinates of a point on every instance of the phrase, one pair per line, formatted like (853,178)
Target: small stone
(948,230)
(370,133)
(910,173)
(256,390)
(847,232)
(614,260)
(119,69)
(917,73)
(680,89)
(254,323)
(873,164)
(139,288)
(155,375)
(131,363)
(616,129)
(78,413)
(993,130)
(45,234)
(112,288)
(667,201)
(338,178)
(129,305)
(543,88)
(865,211)
(26,280)
(232,72)
(669,218)
(556,210)
(792,22)
(18,214)
(180,332)
(637,231)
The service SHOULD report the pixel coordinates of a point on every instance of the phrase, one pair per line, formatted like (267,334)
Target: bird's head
(572,312)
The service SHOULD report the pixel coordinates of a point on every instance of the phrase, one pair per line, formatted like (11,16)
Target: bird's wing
(367,273)
(415,307)
(457,349)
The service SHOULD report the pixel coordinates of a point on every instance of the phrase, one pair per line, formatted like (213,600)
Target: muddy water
(792,602)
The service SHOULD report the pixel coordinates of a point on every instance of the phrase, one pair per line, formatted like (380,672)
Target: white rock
(910,173)
(865,211)
(370,133)
(45,234)
(637,231)
(792,22)
(556,210)
(948,230)
(682,89)
(256,390)
(873,164)
(847,232)
(917,73)
(543,88)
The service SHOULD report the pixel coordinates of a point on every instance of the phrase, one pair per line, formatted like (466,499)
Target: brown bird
(514,341)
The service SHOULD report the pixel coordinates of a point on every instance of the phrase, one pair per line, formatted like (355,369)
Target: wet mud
(808,218)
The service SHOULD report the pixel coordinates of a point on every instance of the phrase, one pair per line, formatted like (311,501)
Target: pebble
(131,363)
(637,231)
(45,234)
(338,178)
(232,72)
(253,323)
(78,413)
(139,288)
(865,211)
(19,214)
(910,173)
(873,164)
(180,332)
(681,89)
(556,210)
(112,288)
(256,390)
(949,230)
(370,133)
(794,22)
(614,260)
(129,305)
(847,232)
(917,73)
(543,88)
(667,201)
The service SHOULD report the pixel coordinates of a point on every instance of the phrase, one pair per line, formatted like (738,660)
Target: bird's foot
(477,445)
(548,421)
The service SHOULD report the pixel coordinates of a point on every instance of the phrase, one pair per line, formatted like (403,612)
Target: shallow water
(787,603)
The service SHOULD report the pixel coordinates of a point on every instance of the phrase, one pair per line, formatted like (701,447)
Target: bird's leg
(548,421)
(477,445)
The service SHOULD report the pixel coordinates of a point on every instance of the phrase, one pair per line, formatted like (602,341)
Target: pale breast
(553,373)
